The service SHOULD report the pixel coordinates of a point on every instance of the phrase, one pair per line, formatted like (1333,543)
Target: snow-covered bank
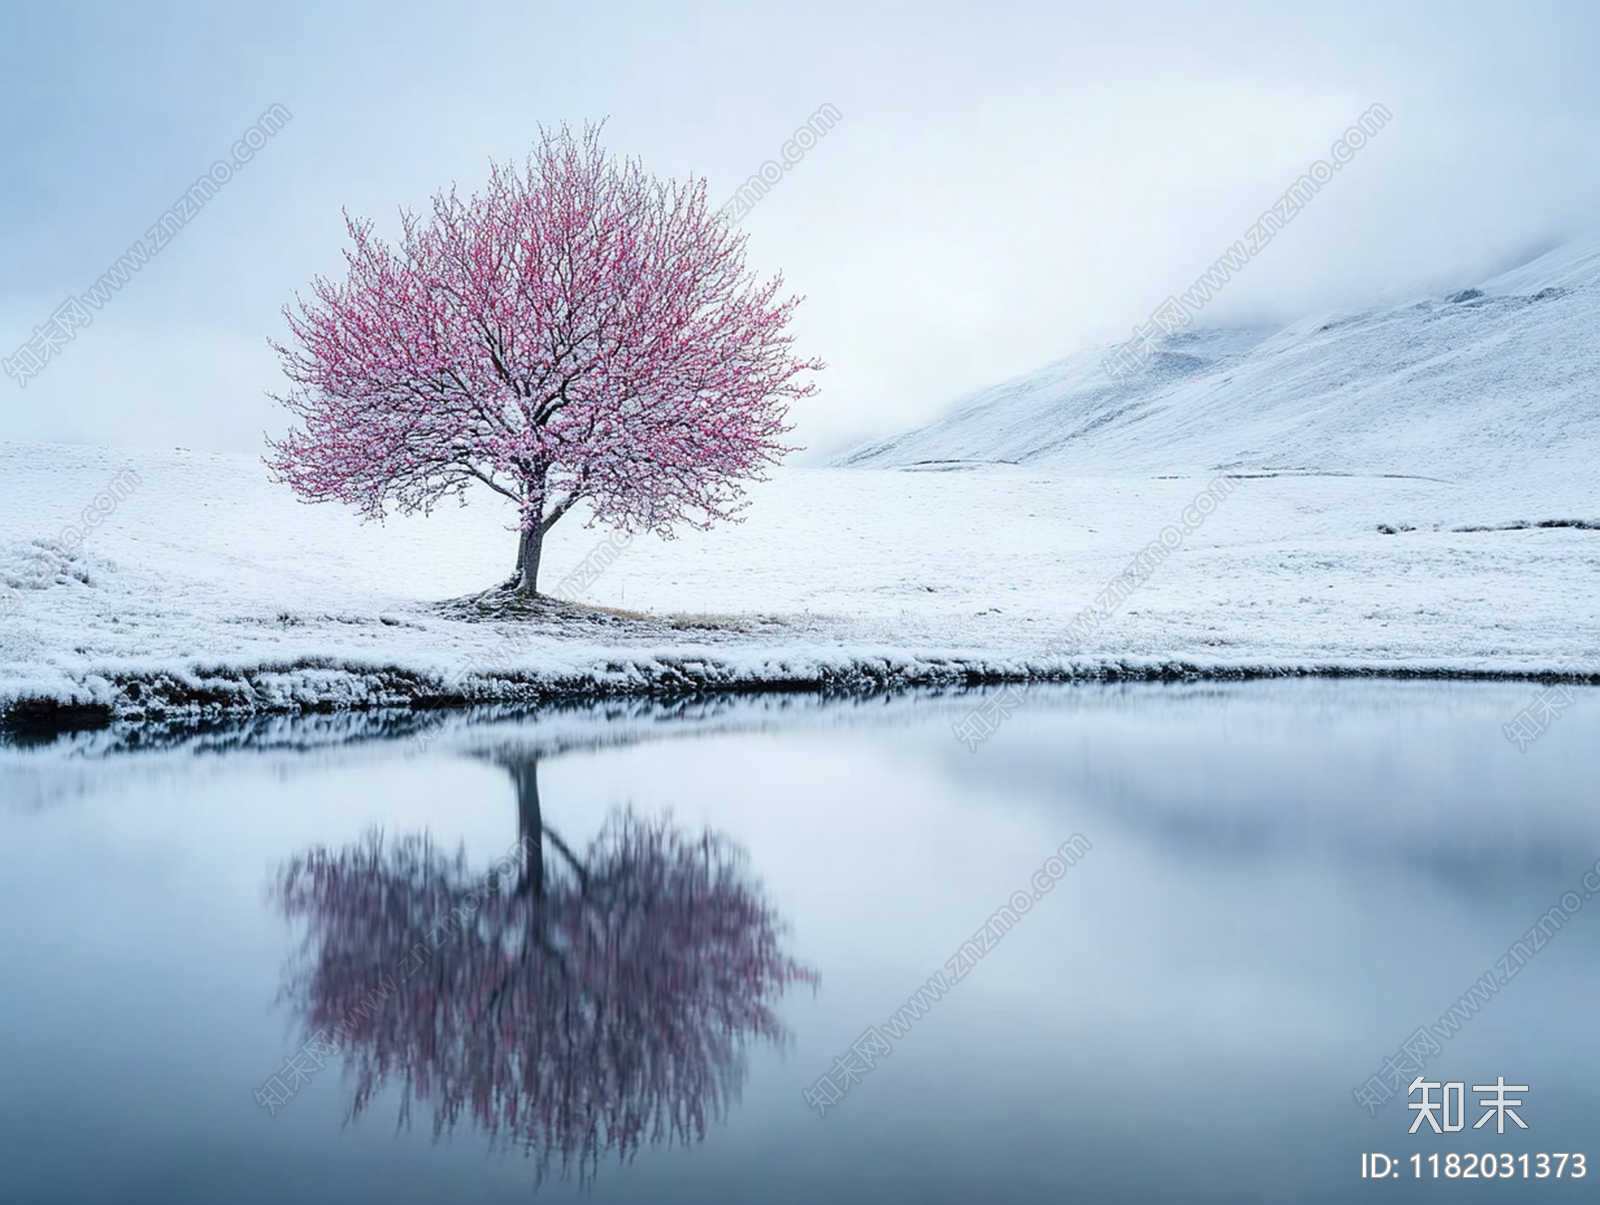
(206,589)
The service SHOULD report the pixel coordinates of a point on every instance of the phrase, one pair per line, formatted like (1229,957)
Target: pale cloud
(1008,182)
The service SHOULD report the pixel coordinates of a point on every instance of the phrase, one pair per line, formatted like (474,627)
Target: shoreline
(319,686)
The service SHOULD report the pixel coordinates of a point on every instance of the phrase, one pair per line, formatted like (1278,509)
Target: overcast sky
(1008,183)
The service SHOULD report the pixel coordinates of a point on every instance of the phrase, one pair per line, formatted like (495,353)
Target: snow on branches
(579,331)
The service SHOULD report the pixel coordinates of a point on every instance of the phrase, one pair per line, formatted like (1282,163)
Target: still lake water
(1284,882)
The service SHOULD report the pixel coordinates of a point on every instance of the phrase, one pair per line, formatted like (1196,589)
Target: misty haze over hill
(1492,380)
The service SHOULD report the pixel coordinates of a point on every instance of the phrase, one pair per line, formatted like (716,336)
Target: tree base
(513,585)
(510,602)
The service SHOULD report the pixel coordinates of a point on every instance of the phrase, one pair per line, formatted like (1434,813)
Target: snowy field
(207,573)
(1417,490)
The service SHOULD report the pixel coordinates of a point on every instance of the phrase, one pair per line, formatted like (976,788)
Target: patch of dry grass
(618,611)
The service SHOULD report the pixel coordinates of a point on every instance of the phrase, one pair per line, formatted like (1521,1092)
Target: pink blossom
(580,331)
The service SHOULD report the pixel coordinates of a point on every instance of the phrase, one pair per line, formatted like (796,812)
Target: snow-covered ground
(207,573)
(1392,472)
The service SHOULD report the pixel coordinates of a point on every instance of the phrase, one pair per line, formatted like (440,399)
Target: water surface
(1282,883)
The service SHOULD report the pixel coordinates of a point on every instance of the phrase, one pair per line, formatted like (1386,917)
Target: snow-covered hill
(1488,382)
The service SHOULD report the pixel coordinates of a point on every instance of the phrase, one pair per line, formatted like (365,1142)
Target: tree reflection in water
(582,1007)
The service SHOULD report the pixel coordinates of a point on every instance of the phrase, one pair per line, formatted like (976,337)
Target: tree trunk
(529,546)
(531,827)
(530,824)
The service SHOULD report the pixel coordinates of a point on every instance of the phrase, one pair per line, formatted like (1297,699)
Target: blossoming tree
(579,332)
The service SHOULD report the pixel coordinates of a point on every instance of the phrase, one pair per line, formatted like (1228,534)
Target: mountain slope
(1503,378)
